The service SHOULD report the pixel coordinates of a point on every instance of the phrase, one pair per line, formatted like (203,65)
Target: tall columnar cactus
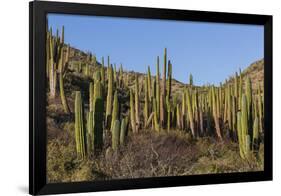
(256,130)
(236,86)
(115,111)
(234,120)
(80,134)
(115,80)
(248,93)
(149,83)
(162,111)
(86,69)
(146,102)
(91,96)
(115,134)
(164,73)
(98,111)
(190,113)
(229,114)
(123,130)
(243,134)
(215,114)
(102,72)
(120,78)
(137,104)
(169,118)
(61,66)
(155,117)
(90,132)
(179,117)
(183,111)
(158,88)
(132,112)
(260,109)
(169,85)
(109,99)
(52,67)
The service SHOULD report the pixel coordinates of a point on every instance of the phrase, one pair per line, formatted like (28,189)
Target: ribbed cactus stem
(255,141)
(115,111)
(90,131)
(169,86)
(164,73)
(190,113)
(149,83)
(158,88)
(240,135)
(61,84)
(109,99)
(115,134)
(215,114)
(137,104)
(146,102)
(80,134)
(155,117)
(249,105)
(98,111)
(132,112)
(102,72)
(123,130)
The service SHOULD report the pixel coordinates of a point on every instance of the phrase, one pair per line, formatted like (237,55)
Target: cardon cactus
(137,104)
(132,111)
(98,116)
(158,88)
(61,66)
(115,134)
(146,102)
(123,130)
(115,111)
(109,99)
(155,117)
(149,83)
(164,73)
(190,113)
(169,85)
(215,113)
(80,133)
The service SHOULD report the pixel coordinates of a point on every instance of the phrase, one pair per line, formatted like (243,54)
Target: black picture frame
(37,96)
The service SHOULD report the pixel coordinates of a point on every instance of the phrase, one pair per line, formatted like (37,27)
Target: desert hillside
(106,122)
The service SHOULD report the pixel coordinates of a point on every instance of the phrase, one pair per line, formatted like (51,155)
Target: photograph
(131,98)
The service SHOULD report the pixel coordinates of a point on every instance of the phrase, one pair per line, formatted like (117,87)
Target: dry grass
(146,154)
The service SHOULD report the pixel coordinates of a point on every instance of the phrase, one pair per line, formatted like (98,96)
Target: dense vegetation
(105,123)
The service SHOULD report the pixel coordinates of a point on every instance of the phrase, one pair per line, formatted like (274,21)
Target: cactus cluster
(57,61)
(232,110)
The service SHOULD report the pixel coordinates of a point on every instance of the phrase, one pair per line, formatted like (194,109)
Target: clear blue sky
(210,51)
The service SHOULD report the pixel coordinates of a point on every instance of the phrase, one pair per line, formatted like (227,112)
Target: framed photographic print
(131,97)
